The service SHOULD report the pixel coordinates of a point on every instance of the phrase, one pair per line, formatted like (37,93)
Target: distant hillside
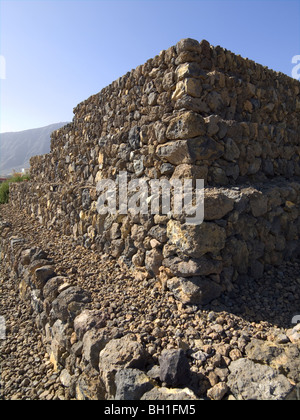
(17,148)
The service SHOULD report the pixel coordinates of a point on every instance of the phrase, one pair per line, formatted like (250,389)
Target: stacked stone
(194,111)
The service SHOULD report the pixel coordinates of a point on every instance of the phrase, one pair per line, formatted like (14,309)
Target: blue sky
(59,52)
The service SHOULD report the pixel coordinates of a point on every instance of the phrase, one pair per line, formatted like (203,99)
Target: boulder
(196,240)
(218,391)
(294,333)
(93,342)
(185,171)
(174,367)
(86,320)
(185,126)
(217,204)
(193,267)
(175,152)
(153,261)
(70,303)
(50,290)
(121,353)
(194,290)
(131,384)
(42,275)
(253,381)
(283,358)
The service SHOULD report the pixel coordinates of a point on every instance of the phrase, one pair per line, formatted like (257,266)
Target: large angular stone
(70,303)
(42,275)
(216,204)
(174,367)
(87,320)
(50,290)
(89,386)
(153,261)
(283,358)
(193,267)
(258,204)
(196,240)
(93,342)
(191,86)
(185,126)
(185,171)
(188,44)
(175,152)
(132,384)
(189,70)
(118,354)
(189,151)
(294,333)
(194,290)
(253,381)
(205,148)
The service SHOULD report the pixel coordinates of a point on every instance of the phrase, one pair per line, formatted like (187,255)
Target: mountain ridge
(17,147)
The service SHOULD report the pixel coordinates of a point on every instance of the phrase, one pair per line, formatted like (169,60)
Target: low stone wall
(245,231)
(93,363)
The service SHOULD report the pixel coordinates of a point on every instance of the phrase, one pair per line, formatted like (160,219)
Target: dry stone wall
(194,111)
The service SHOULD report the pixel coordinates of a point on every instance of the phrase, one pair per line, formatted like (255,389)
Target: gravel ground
(262,309)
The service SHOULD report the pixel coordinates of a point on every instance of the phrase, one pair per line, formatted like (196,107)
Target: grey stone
(187,44)
(196,240)
(174,367)
(193,267)
(87,320)
(69,303)
(93,342)
(131,384)
(232,152)
(153,261)
(258,204)
(185,126)
(283,358)
(89,386)
(86,199)
(205,148)
(217,204)
(218,391)
(166,169)
(65,378)
(175,152)
(134,137)
(119,353)
(194,290)
(26,256)
(50,290)
(252,381)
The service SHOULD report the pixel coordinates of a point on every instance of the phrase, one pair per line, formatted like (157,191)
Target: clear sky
(56,53)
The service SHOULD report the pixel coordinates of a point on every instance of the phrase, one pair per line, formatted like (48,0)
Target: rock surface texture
(149,306)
